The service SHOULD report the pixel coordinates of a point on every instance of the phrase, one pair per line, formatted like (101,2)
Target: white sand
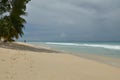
(18,64)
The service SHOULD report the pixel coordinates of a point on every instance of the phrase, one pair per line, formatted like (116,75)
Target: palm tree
(7,31)
(4,6)
(11,26)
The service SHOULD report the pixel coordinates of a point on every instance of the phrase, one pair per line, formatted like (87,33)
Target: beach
(21,61)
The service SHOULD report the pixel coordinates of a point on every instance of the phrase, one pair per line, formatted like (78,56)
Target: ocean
(105,52)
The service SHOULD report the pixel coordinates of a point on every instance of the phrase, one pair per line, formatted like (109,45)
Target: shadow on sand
(17,46)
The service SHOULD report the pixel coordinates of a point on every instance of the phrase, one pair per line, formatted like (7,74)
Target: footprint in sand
(3,60)
(9,76)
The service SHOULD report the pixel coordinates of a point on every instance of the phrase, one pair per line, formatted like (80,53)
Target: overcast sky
(73,20)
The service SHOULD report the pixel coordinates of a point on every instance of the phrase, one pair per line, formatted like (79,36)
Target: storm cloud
(73,20)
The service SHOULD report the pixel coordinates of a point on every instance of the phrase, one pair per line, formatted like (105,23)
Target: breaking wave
(106,46)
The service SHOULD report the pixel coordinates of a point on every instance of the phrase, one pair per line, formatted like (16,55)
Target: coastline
(100,59)
(21,61)
(109,55)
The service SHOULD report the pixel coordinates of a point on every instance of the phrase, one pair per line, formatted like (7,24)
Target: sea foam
(105,46)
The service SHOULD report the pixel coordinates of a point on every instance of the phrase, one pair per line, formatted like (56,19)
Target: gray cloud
(73,20)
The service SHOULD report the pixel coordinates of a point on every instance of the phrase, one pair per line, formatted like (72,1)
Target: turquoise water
(101,49)
(111,49)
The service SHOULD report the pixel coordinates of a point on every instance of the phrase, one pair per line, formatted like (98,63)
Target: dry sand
(25,62)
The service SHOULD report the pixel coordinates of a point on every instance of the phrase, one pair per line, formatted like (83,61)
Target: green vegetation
(11,20)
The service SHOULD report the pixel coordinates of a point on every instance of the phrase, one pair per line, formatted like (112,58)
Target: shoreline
(30,63)
(115,62)
(100,59)
(43,48)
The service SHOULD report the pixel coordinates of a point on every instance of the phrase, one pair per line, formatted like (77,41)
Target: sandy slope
(25,64)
